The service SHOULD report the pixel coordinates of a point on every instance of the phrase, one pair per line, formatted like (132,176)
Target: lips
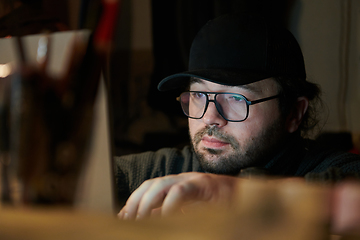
(211,142)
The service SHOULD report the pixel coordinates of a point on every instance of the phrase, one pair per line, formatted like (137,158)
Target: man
(248,105)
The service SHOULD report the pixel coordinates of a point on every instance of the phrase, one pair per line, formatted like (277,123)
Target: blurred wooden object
(265,210)
(50,116)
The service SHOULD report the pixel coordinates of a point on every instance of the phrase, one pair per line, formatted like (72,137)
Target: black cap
(239,49)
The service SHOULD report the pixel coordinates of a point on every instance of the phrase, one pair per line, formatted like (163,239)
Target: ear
(296,114)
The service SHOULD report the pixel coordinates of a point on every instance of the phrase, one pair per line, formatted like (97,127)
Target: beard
(255,152)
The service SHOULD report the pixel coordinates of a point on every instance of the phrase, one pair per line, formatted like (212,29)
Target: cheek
(193,126)
(260,118)
(242,131)
(264,113)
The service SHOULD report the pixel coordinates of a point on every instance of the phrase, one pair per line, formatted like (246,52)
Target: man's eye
(198,95)
(236,98)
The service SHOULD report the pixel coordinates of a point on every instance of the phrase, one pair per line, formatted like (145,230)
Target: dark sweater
(299,158)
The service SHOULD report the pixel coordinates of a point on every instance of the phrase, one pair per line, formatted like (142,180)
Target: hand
(168,194)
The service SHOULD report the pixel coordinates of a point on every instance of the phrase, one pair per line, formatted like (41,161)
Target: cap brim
(224,77)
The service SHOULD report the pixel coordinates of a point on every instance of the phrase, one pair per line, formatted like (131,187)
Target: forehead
(264,86)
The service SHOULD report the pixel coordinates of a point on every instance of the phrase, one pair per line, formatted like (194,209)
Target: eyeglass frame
(248,103)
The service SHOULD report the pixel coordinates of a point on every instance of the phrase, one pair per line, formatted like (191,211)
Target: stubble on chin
(216,160)
(214,131)
(255,153)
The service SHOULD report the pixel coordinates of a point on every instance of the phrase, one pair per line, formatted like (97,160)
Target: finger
(200,188)
(129,211)
(155,195)
(180,195)
(150,195)
(156,212)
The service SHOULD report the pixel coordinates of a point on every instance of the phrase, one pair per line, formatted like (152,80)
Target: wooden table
(287,211)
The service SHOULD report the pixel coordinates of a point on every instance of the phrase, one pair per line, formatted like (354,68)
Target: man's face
(225,147)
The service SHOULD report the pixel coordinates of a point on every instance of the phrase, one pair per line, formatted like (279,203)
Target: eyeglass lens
(231,106)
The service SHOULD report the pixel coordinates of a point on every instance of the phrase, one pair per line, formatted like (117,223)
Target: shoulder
(157,163)
(331,157)
(154,157)
(331,163)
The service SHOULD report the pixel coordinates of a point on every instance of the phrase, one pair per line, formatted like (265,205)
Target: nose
(213,117)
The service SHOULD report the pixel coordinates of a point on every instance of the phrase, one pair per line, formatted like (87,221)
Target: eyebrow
(195,80)
(250,88)
(246,87)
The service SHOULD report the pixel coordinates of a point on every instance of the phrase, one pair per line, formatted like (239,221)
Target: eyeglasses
(232,107)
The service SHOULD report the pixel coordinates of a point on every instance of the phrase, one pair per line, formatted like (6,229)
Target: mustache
(216,132)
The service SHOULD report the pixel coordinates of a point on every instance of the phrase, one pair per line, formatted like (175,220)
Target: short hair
(290,89)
